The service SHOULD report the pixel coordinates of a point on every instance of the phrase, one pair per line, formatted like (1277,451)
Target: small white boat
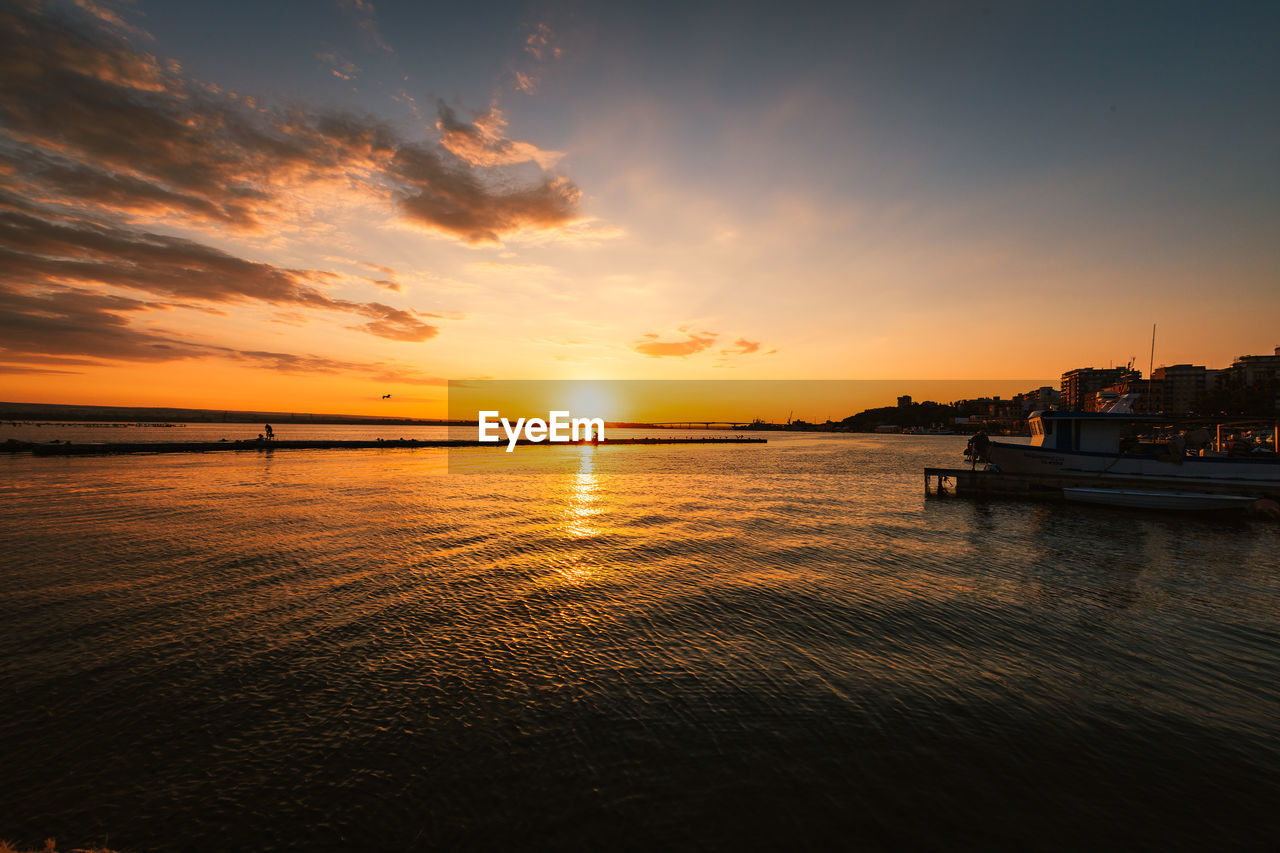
(1158,500)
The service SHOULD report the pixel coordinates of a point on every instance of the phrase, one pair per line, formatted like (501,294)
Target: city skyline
(308,207)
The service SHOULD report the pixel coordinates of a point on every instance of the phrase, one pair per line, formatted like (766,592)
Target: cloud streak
(64,327)
(742,346)
(36,252)
(693,343)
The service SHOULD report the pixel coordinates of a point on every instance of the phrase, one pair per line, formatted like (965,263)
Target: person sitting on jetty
(977,449)
(270,433)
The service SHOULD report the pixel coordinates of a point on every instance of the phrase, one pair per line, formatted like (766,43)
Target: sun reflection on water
(581,511)
(580,523)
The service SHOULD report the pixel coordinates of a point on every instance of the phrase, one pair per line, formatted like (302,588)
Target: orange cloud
(541,43)
(742,346)
(22,370)
(652,346)
(385,270)
(542,46)
(458,203)
(526,82)
(483,142)
(339,66)
(111,18)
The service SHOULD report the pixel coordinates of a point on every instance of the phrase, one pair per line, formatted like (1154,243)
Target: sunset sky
(305,206)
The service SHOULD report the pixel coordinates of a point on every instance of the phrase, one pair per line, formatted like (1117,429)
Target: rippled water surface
(714,648)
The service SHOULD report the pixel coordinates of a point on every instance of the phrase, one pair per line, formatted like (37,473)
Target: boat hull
(1136,499)
(1254,476)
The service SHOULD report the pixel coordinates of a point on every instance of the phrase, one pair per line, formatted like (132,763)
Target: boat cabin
(1082,432)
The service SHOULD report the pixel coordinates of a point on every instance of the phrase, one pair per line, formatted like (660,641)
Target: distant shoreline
(57,412)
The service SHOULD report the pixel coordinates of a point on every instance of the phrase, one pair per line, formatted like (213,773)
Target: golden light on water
(581,510)
(578,520)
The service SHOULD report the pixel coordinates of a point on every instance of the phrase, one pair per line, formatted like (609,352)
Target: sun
(592,400)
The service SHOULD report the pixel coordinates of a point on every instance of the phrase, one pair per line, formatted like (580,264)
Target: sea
(781,646)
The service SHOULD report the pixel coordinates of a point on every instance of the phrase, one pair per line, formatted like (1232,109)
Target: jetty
(267,446)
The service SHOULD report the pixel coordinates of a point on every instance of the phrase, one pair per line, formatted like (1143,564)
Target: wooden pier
(116,448)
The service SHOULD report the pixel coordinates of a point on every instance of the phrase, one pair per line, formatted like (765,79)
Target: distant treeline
(922,415)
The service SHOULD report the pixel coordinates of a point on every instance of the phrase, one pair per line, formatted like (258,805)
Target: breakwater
(114,448)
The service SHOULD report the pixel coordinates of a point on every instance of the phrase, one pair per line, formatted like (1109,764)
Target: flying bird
(386,396)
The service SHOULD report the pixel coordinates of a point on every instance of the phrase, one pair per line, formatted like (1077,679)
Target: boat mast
(1151,368)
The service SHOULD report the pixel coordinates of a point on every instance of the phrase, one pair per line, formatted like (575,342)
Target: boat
(1192,501)
(1100,449)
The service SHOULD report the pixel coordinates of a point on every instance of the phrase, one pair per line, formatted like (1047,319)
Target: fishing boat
(1100,449)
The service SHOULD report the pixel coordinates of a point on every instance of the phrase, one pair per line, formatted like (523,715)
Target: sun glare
(592,400)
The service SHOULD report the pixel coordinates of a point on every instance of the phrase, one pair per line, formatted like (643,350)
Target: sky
(307,206)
